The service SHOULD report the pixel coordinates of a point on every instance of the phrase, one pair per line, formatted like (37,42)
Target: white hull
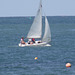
(34,44)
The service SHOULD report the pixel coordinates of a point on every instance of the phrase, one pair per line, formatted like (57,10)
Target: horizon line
(34,16)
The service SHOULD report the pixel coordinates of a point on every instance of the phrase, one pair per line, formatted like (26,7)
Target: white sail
(36,28)
(47,34)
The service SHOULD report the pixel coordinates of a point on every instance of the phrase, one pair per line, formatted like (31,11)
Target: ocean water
(15,60)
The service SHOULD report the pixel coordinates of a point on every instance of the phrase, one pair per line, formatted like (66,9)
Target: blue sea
(15,60)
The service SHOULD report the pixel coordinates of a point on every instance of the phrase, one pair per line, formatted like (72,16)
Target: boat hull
(34,44)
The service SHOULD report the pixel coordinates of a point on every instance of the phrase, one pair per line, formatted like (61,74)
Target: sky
(10,8)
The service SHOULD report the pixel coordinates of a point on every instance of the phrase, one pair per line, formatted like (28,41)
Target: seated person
(33,40)
(22,41)
(40,41)
(29,41)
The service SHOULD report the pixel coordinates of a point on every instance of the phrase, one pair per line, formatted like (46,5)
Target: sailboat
(36,30)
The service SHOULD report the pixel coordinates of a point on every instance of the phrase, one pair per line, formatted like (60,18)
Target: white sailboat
(36,30)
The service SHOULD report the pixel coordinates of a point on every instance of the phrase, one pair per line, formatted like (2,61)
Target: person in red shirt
(33,40)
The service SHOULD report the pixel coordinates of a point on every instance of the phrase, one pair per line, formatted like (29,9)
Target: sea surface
(15,60)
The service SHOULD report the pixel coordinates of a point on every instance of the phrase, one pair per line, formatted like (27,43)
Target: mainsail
(36,28)
(47,34)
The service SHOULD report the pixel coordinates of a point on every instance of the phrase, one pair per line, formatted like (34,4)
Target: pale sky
(10,8)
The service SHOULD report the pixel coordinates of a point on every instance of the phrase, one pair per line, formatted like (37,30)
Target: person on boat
(33,40)
(22,40)
(30,41)
(40,41)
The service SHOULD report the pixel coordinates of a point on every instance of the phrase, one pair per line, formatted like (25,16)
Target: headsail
(36,28)
(47,34)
